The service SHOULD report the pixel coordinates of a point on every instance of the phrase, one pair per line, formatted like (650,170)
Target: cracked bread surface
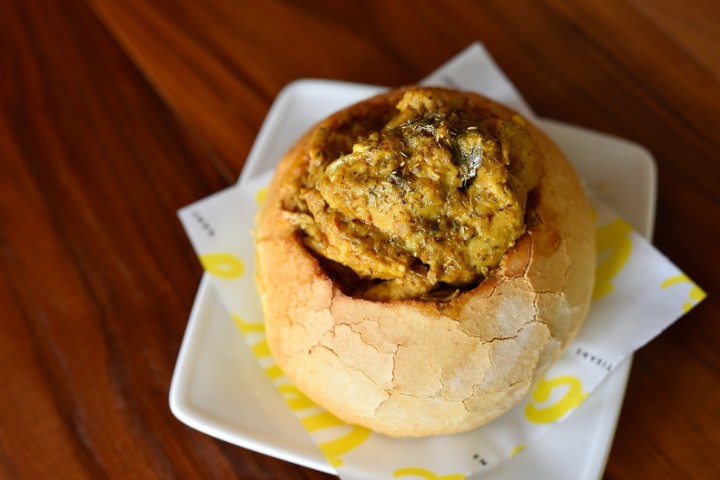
(413,367)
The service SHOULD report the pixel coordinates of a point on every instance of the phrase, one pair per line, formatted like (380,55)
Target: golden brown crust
(417,368)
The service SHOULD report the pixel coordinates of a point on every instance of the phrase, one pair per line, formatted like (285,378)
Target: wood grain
(116,113)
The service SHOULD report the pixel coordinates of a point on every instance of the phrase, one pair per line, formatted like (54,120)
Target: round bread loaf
(437,363)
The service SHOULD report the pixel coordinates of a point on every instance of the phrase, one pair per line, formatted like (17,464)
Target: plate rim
(182,407)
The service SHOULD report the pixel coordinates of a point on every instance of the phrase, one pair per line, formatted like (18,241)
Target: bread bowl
(393,295)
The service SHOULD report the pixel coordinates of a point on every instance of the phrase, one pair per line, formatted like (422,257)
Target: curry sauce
(422,203)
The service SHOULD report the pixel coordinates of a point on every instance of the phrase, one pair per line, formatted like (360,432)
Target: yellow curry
(427,202)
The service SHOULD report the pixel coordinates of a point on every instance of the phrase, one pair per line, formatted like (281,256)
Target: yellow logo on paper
(517,450)
(426,474)
(222,264)
(614,246)
(572,398)
(297,401)
(334,448)
(247,327)
(260,195)
(696,294)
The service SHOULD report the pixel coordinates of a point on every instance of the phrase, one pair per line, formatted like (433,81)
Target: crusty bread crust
(418,368)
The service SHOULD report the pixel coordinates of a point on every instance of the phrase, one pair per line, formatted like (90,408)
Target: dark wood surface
(115,113)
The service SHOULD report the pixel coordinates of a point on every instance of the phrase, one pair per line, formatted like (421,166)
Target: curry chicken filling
(420,204)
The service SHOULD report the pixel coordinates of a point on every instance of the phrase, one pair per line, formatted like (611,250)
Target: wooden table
(116,113)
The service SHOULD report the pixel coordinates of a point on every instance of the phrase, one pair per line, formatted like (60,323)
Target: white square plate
(219,388)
